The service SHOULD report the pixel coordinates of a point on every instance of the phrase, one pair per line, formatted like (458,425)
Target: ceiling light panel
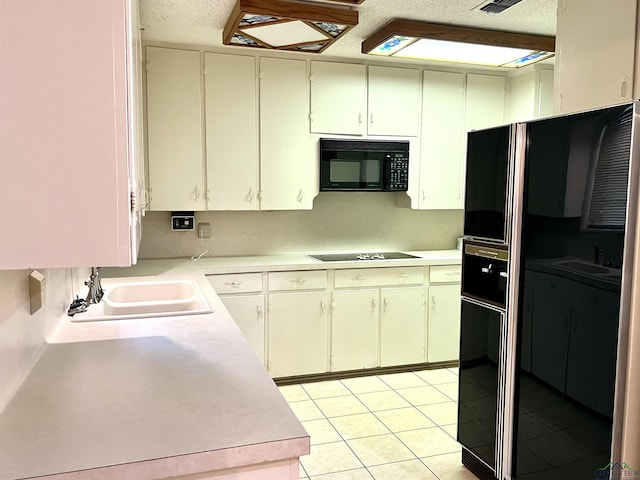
(446,43)
(288,25)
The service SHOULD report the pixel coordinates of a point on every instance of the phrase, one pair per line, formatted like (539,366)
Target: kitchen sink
(147,299)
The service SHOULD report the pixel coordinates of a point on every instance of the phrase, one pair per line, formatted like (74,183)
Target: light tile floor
(399,426)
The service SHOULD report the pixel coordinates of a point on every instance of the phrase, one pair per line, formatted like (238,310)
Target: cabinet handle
(374,304)
(358,279)
(371,119)
(250,195)
(623,87)
(424,197)
(196,193)
(206,194)
(402,276)
(300,196)
(232,284)
(386,303)
(424,300)
(260,195)
(333,305)
(259,311)
(299,281)
(360,119)
(433,301)
(503,274)
(322,306)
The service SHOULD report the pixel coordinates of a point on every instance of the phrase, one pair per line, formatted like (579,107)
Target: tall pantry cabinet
(69,133)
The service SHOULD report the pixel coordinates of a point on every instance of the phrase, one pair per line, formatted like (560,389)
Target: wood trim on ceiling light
(412,28)
(286,11)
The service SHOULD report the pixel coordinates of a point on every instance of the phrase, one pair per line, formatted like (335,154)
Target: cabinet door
(289,164)
(591,364)
(550,338)
(298,333)
(231,110)
(485,101)
(64,186)
(402,326)
(591,73)
(355,329)
(442,157)
(248,313)
(443,334)
(394,101)
(338,98)
(174,129)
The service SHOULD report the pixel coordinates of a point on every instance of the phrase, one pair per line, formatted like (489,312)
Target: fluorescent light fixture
(288,25)
(445,43)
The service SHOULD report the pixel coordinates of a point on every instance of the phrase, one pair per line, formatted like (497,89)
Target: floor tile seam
(394,388)
(414,408)
(386,463)
(366,436)
(427,466)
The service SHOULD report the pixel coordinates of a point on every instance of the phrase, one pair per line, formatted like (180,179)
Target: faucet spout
(95,287)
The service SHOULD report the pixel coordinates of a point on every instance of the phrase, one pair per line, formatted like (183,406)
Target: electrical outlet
(204,230)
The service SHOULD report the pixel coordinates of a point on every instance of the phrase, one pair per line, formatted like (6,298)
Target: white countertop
(147,399)
(157,397)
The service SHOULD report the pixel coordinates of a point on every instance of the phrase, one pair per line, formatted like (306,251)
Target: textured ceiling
(200,22)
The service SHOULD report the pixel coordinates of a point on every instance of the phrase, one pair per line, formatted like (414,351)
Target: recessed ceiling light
(445,43)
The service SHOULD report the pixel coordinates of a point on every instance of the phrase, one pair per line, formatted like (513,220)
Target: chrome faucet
(95,293)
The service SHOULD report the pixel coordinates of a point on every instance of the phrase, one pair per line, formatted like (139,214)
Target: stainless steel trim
(504,468)
(508,209)
(627,303)
(480,303)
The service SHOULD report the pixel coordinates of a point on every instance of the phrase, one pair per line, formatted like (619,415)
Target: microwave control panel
(396,172)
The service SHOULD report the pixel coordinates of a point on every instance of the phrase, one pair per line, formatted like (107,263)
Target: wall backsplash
(339,221)
(22,335)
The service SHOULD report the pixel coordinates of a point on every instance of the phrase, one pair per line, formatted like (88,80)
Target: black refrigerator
(550,222)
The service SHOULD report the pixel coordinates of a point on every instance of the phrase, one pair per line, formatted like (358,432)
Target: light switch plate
(37,290)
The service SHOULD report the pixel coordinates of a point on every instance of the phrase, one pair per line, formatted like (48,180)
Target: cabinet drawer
(236,283)
(302,280)
(371,277)
(445,274)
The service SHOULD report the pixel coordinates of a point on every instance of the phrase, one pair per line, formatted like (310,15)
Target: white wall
(347,221)
(22,335)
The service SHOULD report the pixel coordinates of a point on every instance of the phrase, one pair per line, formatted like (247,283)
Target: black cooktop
(352,257)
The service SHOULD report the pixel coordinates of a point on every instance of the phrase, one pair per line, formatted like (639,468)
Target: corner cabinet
(68,133)
(289,168)
(174,129)
(231,112)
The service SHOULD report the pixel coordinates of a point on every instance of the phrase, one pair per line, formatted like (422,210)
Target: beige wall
(339,221)
(22,335)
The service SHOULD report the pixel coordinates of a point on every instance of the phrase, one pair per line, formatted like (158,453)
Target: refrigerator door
(487,187)
(570,284)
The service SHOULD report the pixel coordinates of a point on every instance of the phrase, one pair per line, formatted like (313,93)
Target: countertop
(146,399)
(158,397)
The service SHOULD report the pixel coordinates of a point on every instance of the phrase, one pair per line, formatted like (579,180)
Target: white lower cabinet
(319,321)
(402,326)
(248,313)
(298,332)
(443,327)
(355,327)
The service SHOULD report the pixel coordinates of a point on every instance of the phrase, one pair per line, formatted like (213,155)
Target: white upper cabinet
(231,109)
(66,139)
(442,155)
(595,54)
(289,167)
(530,94)
(485,101)
(394,101)
(338,98)
(174,129)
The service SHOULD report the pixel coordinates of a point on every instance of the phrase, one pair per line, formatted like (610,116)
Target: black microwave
(364,165)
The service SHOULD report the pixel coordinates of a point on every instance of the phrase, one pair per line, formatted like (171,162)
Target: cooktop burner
(351,257)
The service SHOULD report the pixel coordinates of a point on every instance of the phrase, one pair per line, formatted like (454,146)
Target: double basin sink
(142,299)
